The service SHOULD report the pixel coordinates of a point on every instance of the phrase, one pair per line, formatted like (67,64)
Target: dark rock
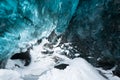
(25,56)
(3,63)
(47,52)
(106,63)
(39,41)
(53,37)
(117,71)
(61,66)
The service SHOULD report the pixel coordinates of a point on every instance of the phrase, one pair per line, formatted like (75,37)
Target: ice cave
(59,39)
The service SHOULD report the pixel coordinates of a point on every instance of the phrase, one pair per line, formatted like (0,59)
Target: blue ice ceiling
(25,20)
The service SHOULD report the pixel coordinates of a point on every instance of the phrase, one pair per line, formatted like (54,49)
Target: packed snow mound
(9,75)
(78,69)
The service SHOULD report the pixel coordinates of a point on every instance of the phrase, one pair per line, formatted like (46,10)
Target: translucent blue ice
(26,20)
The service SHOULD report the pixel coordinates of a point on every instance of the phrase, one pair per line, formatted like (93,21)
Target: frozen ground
(43,67)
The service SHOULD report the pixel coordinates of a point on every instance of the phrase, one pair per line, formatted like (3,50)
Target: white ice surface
(78,69)
(9,75)
(42,66)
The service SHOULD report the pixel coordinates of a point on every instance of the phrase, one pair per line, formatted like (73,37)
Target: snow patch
(9,75)
(79,69)
(42,66)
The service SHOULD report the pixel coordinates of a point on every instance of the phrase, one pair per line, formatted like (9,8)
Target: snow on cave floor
(42,67)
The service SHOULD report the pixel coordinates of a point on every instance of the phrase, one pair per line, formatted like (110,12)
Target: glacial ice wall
(95,30)
(22,21)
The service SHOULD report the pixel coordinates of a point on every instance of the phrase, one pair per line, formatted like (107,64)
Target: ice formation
(63,30)
(22,21)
